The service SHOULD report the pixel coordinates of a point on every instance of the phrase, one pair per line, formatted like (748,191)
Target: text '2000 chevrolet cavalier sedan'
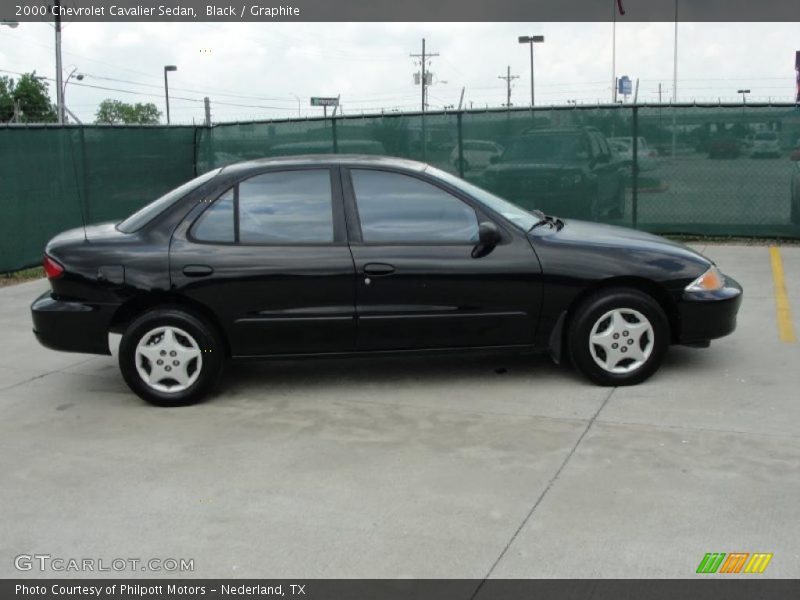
(353,255)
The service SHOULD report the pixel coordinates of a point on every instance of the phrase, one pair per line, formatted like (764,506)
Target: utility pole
(59,75)
(615,4)
(614,53)
(207,104)
(508,77)
(424,57)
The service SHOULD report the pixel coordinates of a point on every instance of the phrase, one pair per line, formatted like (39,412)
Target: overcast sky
(262,66)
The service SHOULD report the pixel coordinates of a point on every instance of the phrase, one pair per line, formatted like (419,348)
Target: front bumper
(71,326)
(706,316)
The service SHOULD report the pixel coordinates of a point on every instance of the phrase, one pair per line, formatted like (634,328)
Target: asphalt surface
(447,467)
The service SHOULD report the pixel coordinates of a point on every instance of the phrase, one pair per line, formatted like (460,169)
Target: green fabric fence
(706,170)
(50,175)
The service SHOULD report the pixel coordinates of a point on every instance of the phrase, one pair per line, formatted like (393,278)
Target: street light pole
(167,69)
(744,95)
(59,74)
(79,77)
(675,85)
(675,58)
(531,39)
(296,97)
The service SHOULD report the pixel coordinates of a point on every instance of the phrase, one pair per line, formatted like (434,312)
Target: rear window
(144,215)
(767,136)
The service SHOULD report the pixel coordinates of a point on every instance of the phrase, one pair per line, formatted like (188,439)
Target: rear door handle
(378,269)
(197,270)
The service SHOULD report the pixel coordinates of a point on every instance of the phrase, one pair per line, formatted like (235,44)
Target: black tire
(202,338)
(592,310)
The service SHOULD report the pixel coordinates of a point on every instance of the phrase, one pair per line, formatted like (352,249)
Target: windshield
(144,215)
(518,216)
(548,147)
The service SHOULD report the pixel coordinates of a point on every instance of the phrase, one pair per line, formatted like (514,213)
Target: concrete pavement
(445,467)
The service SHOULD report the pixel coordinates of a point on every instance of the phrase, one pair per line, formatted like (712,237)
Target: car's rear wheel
(618,337)
(170,357)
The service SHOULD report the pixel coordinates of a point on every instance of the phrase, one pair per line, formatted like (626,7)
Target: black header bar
(408,10)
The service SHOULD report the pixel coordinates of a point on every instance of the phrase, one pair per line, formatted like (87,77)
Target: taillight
(52,268)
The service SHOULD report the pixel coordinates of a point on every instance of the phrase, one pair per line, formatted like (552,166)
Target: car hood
(533,166)
(631,241)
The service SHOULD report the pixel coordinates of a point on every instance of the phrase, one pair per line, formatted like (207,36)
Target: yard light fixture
(167,69)
(79,77)
(744,95)
(531,39)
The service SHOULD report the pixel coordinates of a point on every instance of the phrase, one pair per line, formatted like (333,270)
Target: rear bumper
(709,315)
(71,326)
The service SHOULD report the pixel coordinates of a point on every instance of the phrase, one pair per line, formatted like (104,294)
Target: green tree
(114,111)
(6,99)
(31,95)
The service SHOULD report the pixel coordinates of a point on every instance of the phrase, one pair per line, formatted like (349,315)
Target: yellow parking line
(785,326)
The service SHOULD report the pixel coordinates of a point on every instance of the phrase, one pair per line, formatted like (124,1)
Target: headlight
(709,281)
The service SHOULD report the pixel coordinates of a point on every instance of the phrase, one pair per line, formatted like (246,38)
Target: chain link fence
(706,170)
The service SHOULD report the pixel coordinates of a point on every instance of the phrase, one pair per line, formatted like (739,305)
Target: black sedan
(352,255)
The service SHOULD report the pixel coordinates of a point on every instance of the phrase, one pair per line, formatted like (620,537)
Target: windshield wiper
(546,220)
(543,219)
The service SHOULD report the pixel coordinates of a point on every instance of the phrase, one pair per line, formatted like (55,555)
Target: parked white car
(478,154)
(647,157)
(766,143)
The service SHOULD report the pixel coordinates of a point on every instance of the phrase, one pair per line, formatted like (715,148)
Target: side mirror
(489,234)
(494,160)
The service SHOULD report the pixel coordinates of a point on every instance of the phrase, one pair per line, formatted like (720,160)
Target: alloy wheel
(621,340)
(168,359)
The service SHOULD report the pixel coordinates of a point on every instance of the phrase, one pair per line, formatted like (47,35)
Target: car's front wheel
(170,357)
(618,337)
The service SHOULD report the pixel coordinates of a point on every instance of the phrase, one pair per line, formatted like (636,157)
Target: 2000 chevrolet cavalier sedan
(354,255)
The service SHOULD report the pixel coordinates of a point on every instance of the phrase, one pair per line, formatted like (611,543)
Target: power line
(138,93)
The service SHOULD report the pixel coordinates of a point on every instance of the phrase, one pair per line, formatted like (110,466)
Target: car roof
(323,160)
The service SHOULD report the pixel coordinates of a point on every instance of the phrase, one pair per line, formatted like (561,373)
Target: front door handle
(378,269)
(197,270)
